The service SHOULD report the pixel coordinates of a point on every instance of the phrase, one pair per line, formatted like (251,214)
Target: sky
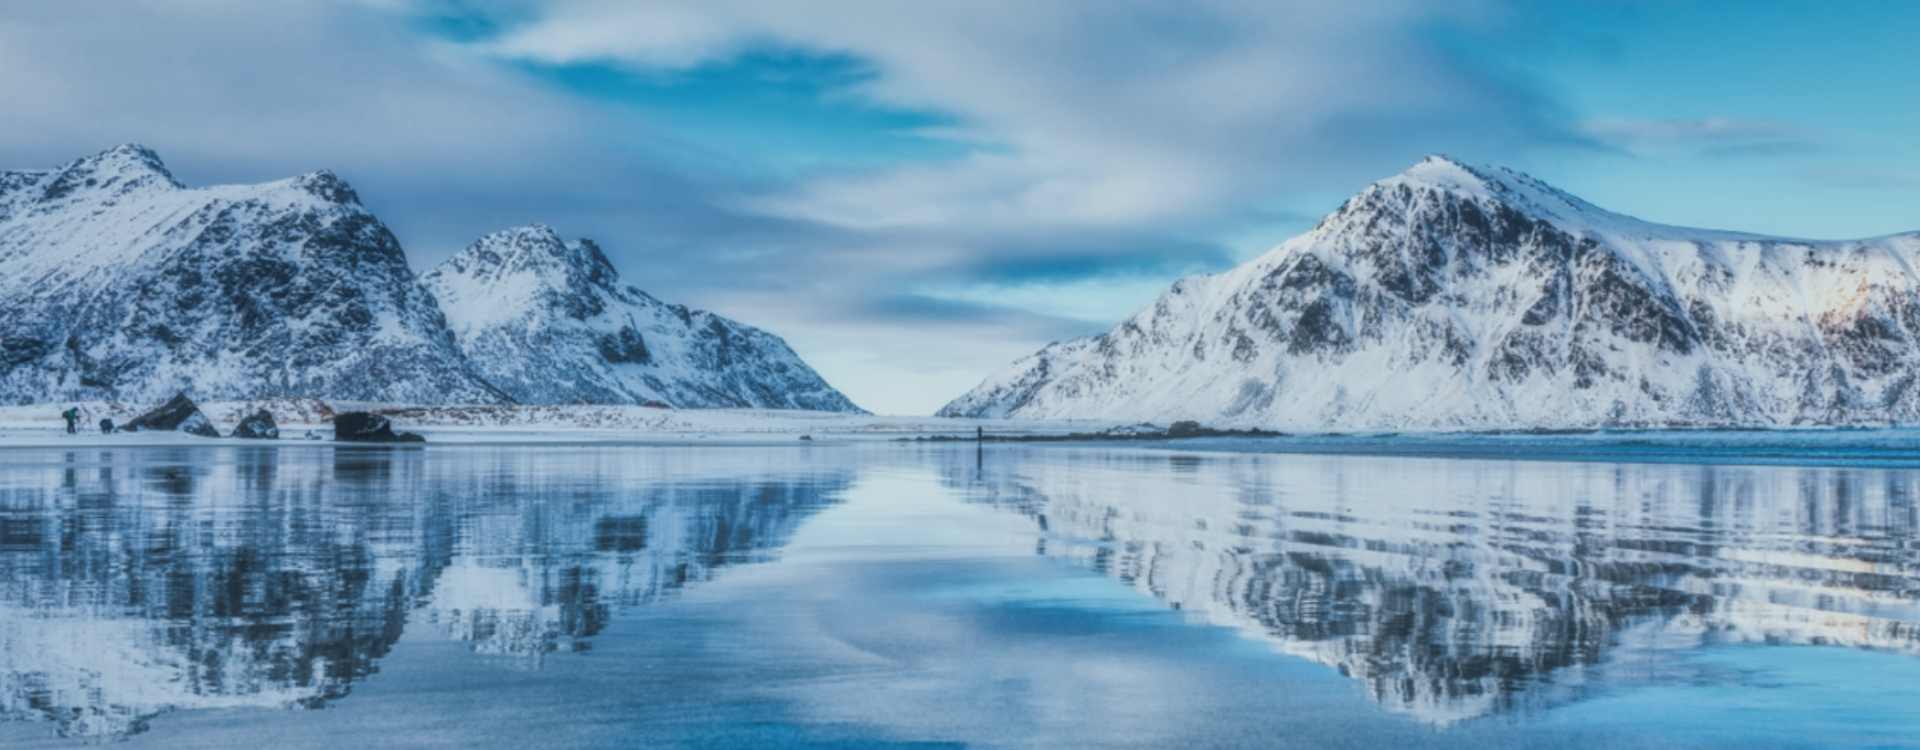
(915,194)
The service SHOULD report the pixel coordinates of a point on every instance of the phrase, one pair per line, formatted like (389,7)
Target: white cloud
(1107,114)
(1706,128)
(243,80)
(649,34)
(1707,136)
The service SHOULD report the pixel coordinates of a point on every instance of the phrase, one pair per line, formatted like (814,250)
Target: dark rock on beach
(1186,428)
(258,426)
(177,414)
(364,427)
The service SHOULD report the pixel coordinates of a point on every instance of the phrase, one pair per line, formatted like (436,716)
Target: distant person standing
(73,420)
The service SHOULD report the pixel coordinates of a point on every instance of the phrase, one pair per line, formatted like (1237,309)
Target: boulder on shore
(1185,428)
(258,426)
(364,427)
(177,414)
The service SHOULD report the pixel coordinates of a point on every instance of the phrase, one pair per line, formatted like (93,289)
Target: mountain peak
(132,153)
(1439,173)
(515,246)
(126,158)
(120,169)
(535,233)
(533,246)
(1440,160)
(530,259)
(327,186)
(1443,172)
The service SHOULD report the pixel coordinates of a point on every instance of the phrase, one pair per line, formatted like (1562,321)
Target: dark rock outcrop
(1185,428)
(258,426)
(177,414)
(365,427)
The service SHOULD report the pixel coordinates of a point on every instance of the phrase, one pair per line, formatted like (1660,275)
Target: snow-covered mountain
(549,321)
(1452,296)
(122,284)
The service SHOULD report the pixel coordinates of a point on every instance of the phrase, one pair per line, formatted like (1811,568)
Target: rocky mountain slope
(1452,296)
(122,284)
(551,322)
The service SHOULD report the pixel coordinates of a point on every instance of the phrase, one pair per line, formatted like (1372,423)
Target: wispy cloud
(1108,114)
(1715,137)
(927,310)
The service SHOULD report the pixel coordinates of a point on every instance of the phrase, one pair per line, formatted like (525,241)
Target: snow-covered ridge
(1524,191)
(551,322)
(107,208)
(1452,296)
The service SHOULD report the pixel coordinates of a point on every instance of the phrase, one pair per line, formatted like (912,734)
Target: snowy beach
(40,425)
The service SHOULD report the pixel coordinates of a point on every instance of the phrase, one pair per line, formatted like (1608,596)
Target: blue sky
(914,194)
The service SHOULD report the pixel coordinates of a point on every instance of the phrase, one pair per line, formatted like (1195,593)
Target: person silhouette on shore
(73,420)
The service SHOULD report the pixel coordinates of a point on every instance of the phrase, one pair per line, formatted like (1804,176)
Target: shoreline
(39,427)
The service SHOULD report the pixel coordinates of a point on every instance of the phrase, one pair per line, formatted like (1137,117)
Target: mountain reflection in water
(1454,589)
(884,589)
(143,581)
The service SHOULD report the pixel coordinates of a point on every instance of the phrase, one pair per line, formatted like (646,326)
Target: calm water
(893,595)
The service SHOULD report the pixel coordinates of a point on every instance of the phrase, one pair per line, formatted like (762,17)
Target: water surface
(901,595)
